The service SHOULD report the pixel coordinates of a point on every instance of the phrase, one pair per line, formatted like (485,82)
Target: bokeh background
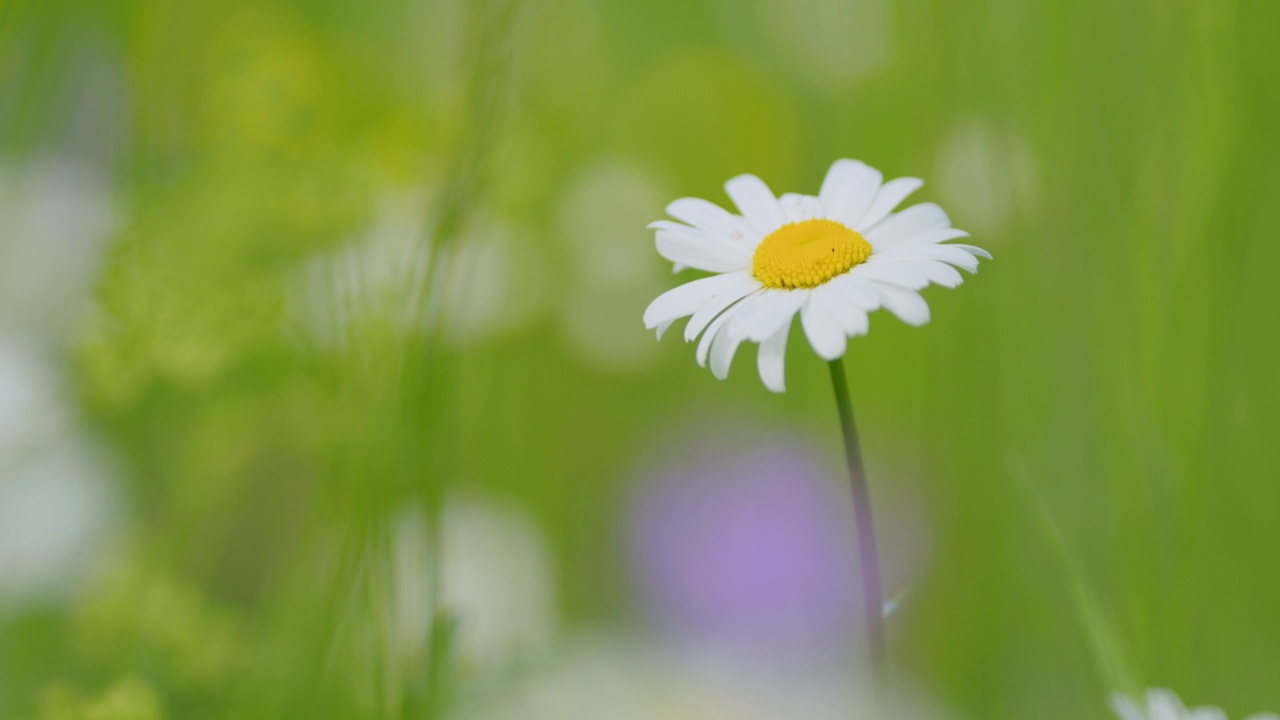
(324,390)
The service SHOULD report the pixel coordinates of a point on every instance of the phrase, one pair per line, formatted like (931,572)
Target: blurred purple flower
(747,545)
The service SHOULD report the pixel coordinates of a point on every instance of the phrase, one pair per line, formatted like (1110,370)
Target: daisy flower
(831,259)
(1164,705)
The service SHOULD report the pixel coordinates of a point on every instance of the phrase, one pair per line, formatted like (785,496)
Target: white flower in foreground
(1164,705)
(831,258)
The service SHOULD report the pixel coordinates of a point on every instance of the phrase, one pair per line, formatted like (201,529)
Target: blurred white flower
(31,408)
(495,581)
(987,173)
(384,281)
(603,218)
(58,500)
(55,219)
(1161,704)
(634,681)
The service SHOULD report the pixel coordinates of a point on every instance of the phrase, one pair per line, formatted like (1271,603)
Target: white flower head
(832,259)
(1161,704)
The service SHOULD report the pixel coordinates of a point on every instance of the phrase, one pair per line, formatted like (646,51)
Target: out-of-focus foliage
(298,275)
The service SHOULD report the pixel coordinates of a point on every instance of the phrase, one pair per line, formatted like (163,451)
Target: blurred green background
(274,274)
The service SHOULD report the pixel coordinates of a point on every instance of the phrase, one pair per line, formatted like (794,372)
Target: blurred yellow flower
(831,259)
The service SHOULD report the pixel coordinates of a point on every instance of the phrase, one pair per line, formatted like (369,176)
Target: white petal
(927,237)
(798,208)
(662,328)
(696,249)
(912,269)
(973,250)
(901,226)
(890,195)
(722,300)
(851,318)
(859,291)
(824,334)
(906,304)
(685,299)
(772,308)
(942,274)
(1125,708)
(936,271)
(771,359)
(901,274)
(705,215)
(704,345)
(756,202)
(1206,713)
(723,348)
(949,254)
(848,190)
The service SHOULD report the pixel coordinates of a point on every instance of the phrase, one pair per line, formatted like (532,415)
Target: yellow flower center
(807,254)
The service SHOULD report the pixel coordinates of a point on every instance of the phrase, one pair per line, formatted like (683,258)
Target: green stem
(868,556)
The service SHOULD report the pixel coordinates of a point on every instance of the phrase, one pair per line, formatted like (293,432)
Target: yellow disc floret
(807,254)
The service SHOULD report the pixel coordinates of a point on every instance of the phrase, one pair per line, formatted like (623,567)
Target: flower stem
(868,556)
